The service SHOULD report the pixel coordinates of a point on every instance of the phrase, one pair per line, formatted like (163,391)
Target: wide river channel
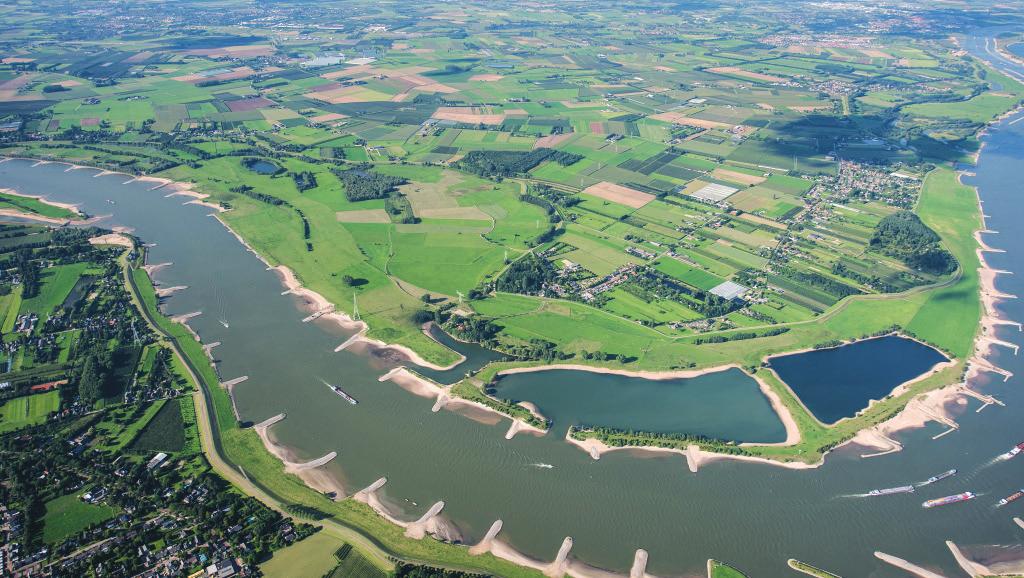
(752,516)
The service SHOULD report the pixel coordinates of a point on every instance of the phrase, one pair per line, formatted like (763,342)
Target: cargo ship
(341,393)
(888,491)
(949,500)
(938,478)
(1013,451)
(1011,498)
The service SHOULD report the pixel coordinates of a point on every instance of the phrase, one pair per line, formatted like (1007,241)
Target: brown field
(345,94)
(810,108)
(804,49)
(552,141)
(679,118)
(140,56)
(363,216)
(17,60)
(467,213)
(765,106)
(329,117)
(250,51)
(469,115)
(874,53)
(350,71)
(619,194)
(759,220)
(91,121)
(746,74)
(737,177)
(664,69)
(246,104)
(485,78)
(577,104)
(235,74)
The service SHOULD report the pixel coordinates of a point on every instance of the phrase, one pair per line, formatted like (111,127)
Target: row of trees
(904,236)
(502,164)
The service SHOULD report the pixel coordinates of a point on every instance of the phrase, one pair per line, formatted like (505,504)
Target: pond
(262,167)
(838,382)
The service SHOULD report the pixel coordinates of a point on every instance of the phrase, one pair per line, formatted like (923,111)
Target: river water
(754,516)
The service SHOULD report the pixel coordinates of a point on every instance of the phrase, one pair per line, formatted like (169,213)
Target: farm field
(68,515)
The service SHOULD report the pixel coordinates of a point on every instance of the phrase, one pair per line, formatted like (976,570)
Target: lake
(725,405)
(838,382)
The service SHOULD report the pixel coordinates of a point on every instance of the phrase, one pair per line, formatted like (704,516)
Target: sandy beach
(113,239)
(316,478)
(417,385)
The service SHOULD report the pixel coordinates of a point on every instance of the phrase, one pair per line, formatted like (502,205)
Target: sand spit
(113,239)
(422,387)
(69,206)
(695,457)
(33,217)
(639,568)
(907,566)
(792,430)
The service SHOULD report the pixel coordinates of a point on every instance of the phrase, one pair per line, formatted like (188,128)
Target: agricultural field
(665,198)
(28,410)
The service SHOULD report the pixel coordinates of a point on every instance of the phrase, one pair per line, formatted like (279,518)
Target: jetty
(364,493)
(150,269)
(484,545)
(321,461)
(37,163)
(209,346)
(907,566)
(1019,522)
(233,382)
(639,568)
(318,314)
(270,421)
(164,292)
(350,340)
(185,317)
(557,568)
(418,529)
(442,401)
(985,399)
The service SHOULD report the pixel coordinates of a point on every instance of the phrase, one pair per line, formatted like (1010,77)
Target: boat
(888,491)
(1011,498)
(949,500)
(341,393)
(938,478)
(1013,451)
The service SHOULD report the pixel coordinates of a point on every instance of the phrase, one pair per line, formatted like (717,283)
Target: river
(754,516)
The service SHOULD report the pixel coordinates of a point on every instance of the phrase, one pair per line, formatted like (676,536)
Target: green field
(28,410)
(313,556)
(34,206)
(69,515)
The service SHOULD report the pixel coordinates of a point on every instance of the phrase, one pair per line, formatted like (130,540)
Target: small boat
(341,393)
(949,500)
(224,323)
(1011,498)
(889,491)
(938,478)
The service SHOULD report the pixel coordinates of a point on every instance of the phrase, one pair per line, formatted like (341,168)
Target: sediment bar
(639,569)
(907,566)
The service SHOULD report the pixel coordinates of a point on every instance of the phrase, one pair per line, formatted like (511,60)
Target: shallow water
(754,516)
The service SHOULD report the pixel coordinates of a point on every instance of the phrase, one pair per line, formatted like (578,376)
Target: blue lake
(838,382)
